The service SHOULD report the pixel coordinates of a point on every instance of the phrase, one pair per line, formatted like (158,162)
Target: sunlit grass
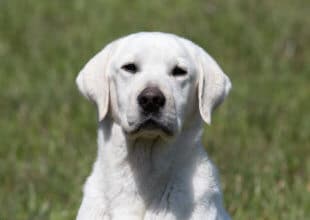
(259,138)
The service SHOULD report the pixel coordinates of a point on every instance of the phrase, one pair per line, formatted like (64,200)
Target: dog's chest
(157,204)
(147,195)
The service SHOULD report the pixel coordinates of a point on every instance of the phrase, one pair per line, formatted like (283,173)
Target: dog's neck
(148,161)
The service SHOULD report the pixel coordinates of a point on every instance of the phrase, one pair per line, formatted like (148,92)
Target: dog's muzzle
(151,102)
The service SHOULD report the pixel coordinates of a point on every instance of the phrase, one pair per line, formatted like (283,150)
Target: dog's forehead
(156,46)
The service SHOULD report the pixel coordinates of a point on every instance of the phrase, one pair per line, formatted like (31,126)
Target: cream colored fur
(150,175)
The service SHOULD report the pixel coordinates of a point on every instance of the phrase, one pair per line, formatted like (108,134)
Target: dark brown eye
(130,67)
(178,71)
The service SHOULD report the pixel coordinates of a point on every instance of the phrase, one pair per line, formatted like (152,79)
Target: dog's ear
(93,81)
(213,85)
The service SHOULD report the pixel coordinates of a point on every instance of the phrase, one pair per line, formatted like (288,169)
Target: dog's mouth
(151,126)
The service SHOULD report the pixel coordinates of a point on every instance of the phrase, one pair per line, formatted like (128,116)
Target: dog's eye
(130,67)
(178,71)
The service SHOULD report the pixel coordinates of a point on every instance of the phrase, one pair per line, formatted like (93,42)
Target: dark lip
(150,124)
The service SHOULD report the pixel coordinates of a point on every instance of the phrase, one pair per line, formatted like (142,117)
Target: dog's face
(150,82)
(152,85)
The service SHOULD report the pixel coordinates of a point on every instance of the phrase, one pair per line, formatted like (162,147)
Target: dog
(153,92)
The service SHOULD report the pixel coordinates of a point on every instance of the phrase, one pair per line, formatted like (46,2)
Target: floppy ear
(213,85)
(93,81)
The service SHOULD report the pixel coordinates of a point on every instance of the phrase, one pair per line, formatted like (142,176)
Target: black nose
(151,100)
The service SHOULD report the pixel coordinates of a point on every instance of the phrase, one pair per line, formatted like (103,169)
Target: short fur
(151,174)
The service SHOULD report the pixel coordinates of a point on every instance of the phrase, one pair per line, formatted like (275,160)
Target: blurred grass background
(259,138)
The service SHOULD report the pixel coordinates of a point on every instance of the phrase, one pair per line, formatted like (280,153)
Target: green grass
(259,138)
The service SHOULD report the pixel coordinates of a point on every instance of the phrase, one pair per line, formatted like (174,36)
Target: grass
(259,138)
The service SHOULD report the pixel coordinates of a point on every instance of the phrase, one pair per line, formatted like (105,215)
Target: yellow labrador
(153,92)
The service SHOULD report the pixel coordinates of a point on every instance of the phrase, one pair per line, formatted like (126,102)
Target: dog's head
(153,83)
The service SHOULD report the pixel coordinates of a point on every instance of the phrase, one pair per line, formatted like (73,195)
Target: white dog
(152,91)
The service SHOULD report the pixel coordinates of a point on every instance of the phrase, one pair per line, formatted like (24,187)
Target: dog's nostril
(159,100)
(156,100)
(143,100)
(151,100)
